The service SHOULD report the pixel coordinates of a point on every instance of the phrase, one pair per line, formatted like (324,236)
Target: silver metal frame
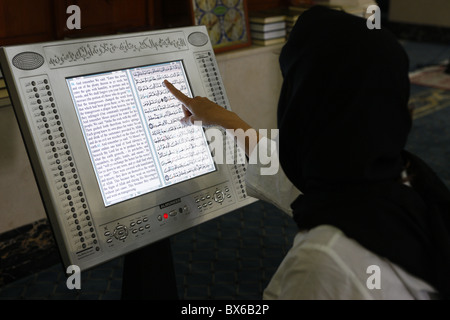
(87,232)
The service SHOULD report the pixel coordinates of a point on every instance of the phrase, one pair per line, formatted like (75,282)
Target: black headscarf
(344,122)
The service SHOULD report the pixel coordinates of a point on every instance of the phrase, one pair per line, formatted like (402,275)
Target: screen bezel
(86,173)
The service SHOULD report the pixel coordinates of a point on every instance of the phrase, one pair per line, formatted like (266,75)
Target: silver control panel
(59,163)
(46,83)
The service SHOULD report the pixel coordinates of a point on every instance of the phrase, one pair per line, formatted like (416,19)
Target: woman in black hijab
(344,121)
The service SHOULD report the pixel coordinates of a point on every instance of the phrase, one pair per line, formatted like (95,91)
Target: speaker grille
(28,60)
(198,39)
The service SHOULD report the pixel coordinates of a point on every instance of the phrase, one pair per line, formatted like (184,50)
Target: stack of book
(273,26)
(4,98)
(293,13)
(268,27)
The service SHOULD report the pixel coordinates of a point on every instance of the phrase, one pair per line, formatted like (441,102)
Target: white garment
(325,264)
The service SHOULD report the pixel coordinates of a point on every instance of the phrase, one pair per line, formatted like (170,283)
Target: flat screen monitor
(115,168)
(130,124)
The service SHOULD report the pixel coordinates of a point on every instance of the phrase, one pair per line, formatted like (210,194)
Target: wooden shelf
(22,21)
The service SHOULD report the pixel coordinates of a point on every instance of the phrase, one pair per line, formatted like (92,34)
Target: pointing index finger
(184,99)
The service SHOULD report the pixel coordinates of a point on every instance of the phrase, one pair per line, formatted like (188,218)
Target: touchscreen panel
(131,127)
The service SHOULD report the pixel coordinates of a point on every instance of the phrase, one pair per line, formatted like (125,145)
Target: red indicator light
(166,215)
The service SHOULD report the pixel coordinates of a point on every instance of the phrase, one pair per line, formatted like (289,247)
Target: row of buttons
(139,225)
(210,77)
(215,92)
(62,166)
(173,213)
(208,199)
(121,232)
(238,169)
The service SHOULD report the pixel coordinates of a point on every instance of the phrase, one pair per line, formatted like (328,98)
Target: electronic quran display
(115,168)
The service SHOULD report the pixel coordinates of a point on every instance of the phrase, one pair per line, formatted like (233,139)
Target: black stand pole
(148,273)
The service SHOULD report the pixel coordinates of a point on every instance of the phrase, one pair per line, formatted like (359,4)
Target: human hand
(211,114)
(199,109)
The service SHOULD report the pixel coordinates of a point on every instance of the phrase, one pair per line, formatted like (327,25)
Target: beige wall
(252,78)
(252,81)
(422,12)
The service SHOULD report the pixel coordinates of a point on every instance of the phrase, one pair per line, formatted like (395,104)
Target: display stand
(148,273)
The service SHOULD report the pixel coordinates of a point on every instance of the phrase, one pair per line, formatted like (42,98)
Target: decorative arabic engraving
(95,51)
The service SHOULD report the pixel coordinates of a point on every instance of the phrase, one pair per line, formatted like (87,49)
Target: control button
(160,218)
(147,226)
(219,196)
(120,232)
(173,213)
